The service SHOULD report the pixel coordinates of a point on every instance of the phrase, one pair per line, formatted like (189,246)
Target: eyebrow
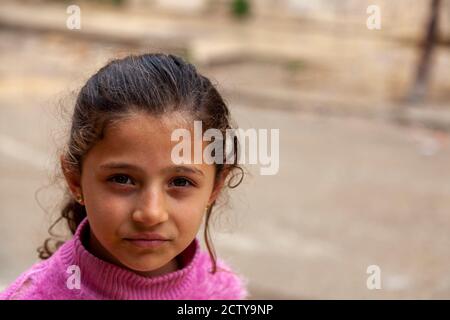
(123,165)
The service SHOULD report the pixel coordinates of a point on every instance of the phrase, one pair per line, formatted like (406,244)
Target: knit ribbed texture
(102,280)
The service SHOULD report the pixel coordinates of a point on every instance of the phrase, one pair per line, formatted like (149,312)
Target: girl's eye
(120,179)
(181,182)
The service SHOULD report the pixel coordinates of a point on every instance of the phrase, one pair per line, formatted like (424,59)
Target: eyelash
(190,183)
(118,175)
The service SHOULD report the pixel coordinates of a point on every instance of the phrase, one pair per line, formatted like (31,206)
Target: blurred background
(363,113)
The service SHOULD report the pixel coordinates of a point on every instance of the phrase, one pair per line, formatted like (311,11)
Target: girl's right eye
(120,178)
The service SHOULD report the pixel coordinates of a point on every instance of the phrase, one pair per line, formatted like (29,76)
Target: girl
(134,214)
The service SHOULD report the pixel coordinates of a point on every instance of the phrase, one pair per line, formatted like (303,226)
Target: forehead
(140,139)
(142,130)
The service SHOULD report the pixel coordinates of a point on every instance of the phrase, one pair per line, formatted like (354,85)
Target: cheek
(189,213)
(188,221)
(105,209)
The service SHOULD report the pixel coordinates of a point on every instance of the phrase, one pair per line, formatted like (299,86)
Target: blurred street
(363,180)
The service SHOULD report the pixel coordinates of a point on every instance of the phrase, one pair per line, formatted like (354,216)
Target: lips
(147,236)
(147,240)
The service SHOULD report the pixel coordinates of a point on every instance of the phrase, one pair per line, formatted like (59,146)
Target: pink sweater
(48,279)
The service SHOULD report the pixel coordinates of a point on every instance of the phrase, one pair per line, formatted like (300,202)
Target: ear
(73,179)
(218,185)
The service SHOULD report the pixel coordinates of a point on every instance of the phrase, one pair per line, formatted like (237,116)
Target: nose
(151,209)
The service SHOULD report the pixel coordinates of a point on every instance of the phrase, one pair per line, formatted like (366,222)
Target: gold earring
(80,198)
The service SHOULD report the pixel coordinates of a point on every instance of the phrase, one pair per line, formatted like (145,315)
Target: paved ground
(351,191)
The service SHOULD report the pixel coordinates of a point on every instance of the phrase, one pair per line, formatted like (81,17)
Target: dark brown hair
(156,84)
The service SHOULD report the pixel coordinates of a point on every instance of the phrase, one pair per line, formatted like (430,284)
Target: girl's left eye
(181,182)
(120,177)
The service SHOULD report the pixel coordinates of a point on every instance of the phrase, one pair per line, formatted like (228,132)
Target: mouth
(147,240)
(144,243)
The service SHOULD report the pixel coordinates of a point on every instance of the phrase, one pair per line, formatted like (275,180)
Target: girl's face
(131,188)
